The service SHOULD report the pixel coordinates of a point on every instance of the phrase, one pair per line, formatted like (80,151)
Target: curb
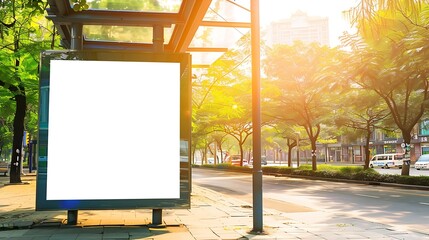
(17,225)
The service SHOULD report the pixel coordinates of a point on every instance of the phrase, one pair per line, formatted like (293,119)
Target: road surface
(400,208)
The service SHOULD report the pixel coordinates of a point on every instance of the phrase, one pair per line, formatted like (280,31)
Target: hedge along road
(413,171)
(313,200)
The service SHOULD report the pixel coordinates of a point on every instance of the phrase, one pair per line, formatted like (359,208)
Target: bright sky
(273,10)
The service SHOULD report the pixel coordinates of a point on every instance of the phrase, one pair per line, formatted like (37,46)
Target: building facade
(379,143)
(299,27)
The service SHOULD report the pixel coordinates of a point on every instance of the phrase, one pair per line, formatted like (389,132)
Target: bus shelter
(180,37)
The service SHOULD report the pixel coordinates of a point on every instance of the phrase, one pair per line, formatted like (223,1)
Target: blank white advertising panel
(114,130)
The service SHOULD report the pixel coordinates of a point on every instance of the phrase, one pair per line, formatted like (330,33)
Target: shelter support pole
(76,41)
(158,46)
(156,217)
(72,217)
(75,44)
(256,118)
(158,38)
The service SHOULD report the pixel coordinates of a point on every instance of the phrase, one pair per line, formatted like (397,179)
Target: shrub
(303,172)
(388,178)
(279,170)
(333,172)
(305,167)
(366,175)
(414,180)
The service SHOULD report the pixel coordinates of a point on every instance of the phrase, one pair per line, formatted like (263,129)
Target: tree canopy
(304,77)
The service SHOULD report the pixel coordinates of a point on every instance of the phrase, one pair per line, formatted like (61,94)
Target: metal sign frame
(185,132)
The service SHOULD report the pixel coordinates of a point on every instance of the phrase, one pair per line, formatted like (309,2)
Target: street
(401,208)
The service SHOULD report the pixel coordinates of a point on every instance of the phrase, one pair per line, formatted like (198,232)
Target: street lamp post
(256,117)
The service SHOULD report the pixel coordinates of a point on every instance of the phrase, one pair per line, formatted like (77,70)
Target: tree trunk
(193,150)
(1,147)
(221,154)
(289,152)
(18,134)
(241,153)
(366,166)
(204,158)
(313,155)
(406,164)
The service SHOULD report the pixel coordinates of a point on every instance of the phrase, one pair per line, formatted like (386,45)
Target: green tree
(6,120)
(304,80)
(232,113)
(24,33)
(362,111)
(394,65)
(222,103)
(290,134)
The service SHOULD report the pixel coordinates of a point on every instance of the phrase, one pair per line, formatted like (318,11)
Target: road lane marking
(396,196)
(364,195)
(423,203)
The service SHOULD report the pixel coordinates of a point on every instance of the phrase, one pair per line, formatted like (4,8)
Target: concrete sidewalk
(212,216)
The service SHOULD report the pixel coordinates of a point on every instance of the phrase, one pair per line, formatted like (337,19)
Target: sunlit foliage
(24,32)
(390,58)
(304,77)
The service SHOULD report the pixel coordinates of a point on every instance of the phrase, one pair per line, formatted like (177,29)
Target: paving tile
(370,235)
(92,230)
(19,238)
(228,233)
(304,235)
(45,232)
(90,222)
(141,236)
(203,233)
(407,236)
(13,233)
(89,236)
(116,235)
(175,236)
(63,236)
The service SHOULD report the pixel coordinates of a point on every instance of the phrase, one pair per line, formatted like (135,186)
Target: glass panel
(205,58)
(228,11)
(172,6)
(424,127)
(217,37)
(123,33)
(220,37)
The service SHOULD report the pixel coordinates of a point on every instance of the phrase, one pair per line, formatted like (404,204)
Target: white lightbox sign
(114,130)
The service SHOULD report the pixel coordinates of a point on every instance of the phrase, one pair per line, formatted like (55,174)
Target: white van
(387,160)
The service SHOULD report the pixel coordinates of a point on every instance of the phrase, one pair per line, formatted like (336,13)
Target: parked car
(235,160)
(422,162)
(387,160)
(4,167)
(263,161)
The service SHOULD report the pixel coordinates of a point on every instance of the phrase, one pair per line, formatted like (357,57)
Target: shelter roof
(204,28)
